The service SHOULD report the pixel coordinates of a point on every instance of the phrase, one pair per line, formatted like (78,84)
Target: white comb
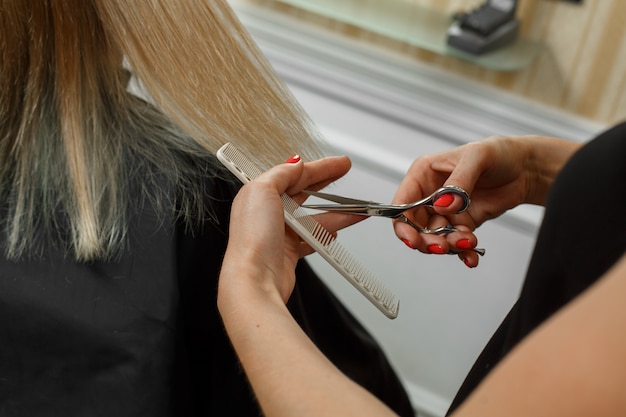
(317,237)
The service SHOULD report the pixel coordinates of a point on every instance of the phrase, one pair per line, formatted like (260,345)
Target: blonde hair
(71,135)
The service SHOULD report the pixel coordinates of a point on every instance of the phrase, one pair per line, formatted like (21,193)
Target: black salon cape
(142,336)
(582,235)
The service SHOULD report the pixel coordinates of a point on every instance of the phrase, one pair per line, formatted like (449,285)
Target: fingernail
(466,262)
(293,159)
(444,200)
(406,242)
(464,244)
(437,249)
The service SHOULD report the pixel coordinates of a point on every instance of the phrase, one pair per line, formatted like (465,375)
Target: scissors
(392,211)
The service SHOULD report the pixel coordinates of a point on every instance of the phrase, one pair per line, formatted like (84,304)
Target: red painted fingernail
(406,242)
(466,262)
(436,249)
(293,159)
(444,200)
(464,244)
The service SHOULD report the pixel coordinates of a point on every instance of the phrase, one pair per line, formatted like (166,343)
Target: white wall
(384,111)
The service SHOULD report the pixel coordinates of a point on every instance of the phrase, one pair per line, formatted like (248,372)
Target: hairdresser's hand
(262,251)
(499,173)
(289,374)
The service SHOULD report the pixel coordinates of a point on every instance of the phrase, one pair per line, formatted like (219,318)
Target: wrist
(243,284)
(544,159)
(247,307)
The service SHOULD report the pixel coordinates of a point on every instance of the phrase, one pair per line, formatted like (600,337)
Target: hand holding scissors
(393,211)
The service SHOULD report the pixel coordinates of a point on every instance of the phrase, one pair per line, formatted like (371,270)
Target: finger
(451,202)
(317,174)
(419,181)
(469,258)
(433,243)
(465,174)
(424,242)
(282,176)
(462,240)
(407,234)
(468,168)
(260,199)
(292,178)
(462,243)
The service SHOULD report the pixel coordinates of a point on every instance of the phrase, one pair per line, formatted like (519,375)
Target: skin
(499,173)
(256,280)
(572,365)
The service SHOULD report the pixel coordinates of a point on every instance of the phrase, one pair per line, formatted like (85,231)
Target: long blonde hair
(68,126)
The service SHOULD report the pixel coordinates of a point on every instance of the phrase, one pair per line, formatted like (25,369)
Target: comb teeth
(317,236)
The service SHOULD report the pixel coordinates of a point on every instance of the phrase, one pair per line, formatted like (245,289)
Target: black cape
(141,336)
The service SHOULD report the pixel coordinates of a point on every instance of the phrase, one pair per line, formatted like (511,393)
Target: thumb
(283,176)
(464,175)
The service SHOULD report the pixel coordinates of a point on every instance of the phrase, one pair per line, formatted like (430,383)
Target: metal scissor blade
(340,208)
(338,199)
(344,204)
(353,205)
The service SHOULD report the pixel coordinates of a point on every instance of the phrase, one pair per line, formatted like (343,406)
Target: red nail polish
(444,200)
(464,244)
(406,242)
(293,159)
(437,249)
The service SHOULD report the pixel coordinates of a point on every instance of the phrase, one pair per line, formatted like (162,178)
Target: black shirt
(582,235)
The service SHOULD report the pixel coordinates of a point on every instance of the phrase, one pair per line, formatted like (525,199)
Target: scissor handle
(452,189)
